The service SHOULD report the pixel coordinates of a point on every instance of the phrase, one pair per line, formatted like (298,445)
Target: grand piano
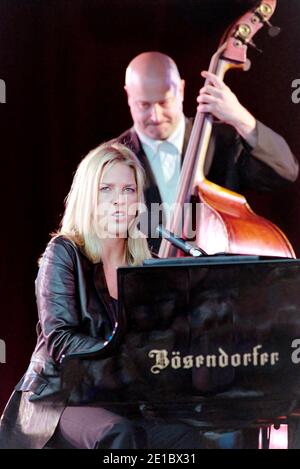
(213,342)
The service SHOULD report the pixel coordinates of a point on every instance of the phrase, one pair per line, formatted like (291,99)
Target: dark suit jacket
(75,335)
(231,162)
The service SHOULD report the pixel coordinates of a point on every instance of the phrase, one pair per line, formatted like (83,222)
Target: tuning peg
(254,46)
(273,30)
(263,12)
(247,65)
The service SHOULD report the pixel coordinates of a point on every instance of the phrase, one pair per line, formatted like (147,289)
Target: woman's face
(117,201)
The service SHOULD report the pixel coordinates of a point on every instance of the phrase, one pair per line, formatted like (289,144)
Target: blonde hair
(79,222)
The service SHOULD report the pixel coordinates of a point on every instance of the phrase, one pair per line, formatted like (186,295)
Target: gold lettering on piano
(256,357)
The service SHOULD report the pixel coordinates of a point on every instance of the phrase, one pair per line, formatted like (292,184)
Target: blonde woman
(76,290)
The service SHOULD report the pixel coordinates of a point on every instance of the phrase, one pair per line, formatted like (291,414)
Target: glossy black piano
(213,340)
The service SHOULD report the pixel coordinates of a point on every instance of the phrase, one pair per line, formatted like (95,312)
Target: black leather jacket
(75,332)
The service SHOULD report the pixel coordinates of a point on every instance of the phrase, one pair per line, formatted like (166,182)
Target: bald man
(243,153)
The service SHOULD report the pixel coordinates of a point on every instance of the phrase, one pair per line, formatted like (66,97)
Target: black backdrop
(63,63)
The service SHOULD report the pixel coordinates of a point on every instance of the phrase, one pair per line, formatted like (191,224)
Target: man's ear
(182,87)
(127,93)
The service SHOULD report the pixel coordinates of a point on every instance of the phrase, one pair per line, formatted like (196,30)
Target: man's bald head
(155,94)
(152,66)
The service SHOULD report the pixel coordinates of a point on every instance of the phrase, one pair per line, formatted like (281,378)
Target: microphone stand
(180,243)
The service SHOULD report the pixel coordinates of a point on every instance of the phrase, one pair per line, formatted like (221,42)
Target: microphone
(180,243)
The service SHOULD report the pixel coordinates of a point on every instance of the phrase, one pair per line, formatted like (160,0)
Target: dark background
(63,62)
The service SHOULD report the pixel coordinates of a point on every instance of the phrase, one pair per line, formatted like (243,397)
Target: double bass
(223,220)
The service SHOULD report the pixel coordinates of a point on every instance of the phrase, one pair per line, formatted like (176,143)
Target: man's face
(156,107)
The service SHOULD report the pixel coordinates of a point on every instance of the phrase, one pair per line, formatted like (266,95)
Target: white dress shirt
(164,157)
